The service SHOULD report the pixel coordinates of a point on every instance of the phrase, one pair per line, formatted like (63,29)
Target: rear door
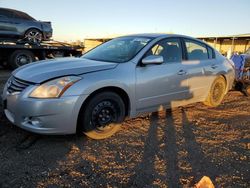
(201,67)
(23,22)
(162,84)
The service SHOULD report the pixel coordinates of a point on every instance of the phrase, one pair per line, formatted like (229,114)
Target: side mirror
(152,59)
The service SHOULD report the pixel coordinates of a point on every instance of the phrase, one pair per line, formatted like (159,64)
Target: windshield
(118,50)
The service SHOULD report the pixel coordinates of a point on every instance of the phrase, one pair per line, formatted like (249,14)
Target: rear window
(23,16)
(196,50)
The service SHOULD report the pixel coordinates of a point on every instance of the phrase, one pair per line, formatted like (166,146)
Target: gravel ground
(166,149)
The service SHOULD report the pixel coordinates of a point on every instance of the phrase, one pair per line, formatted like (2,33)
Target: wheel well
(117,90)
(33,28)
(223,76)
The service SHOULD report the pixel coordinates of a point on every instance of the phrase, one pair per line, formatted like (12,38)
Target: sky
(79,19)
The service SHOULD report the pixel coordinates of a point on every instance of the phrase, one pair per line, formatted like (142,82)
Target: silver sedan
(124,77)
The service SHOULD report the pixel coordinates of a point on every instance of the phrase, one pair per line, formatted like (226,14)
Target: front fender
(123,77)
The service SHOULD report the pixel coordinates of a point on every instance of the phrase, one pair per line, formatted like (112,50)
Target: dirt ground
(166,149)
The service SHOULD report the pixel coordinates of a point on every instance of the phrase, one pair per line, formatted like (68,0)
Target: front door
(7,25)
(162,84)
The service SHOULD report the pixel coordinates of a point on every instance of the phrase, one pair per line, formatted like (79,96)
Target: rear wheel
(102,115)
(34,36)
(216,93)
(20,57)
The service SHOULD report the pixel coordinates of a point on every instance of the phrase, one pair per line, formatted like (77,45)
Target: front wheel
(216,93)
(102,115)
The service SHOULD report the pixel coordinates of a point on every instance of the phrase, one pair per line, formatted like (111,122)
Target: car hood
(39,72)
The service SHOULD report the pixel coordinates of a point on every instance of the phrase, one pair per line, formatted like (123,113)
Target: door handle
(182,72)
(214,66)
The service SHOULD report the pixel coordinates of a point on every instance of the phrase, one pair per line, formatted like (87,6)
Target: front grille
(16,85)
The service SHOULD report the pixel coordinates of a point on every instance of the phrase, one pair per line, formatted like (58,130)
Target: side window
(2,16)
(17,15)
(22,15)
(6,14)
(210,53)
(169,49)
(196,50)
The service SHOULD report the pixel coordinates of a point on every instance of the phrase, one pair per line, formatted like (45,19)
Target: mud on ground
(165,149)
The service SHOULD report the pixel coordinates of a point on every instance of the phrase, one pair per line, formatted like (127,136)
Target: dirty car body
(184,76)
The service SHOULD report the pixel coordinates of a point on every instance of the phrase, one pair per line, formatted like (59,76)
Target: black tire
(20,57)
(34,36)
(217,92)
(101,117)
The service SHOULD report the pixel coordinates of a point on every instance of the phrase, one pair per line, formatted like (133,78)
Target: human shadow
(146,167)
(201,165)
(152,148)
(171,148)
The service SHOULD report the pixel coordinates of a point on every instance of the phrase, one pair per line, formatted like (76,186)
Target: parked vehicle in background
(242,68)
(123,77)
(17,24)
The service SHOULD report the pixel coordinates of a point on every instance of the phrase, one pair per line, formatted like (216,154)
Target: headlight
(54,88)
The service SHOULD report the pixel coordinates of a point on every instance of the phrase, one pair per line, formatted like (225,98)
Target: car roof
(156,35)
(12,10)
(163,35)
(18,12)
